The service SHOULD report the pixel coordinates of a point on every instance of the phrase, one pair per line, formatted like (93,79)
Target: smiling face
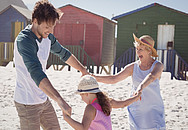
(143,52)
(44,17)
(42,30)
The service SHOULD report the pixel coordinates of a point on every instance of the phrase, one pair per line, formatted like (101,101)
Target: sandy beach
(174,93)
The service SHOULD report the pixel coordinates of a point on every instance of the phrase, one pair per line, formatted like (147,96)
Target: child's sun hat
(88,84)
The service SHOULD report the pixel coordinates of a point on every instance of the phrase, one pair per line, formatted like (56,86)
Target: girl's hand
(139,91)
(138,96)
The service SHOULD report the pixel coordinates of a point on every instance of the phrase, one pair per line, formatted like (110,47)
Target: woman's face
(142,52)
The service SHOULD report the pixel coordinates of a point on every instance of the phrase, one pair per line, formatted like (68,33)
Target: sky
(110,8)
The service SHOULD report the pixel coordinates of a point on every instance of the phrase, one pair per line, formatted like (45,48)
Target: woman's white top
(147,113)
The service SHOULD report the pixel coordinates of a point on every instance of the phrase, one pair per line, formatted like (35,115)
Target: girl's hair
(104,102)
(44,11)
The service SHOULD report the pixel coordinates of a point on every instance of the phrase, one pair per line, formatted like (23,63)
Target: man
(31,50)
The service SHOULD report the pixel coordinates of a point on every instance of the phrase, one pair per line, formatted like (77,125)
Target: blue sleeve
(58,49)
(28,50)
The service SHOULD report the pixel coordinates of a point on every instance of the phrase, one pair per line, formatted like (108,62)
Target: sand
(174,93)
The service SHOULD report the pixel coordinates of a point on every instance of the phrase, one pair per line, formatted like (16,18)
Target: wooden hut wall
(79,27)
(152,17)
(6,18)
(108,46)
(181,35)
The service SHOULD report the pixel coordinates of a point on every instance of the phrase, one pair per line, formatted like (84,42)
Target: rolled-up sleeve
(58,49)
(28,50)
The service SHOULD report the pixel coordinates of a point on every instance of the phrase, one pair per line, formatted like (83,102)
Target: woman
(148,113)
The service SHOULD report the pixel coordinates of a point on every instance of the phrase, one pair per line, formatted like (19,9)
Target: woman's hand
(85,72)
(139,89)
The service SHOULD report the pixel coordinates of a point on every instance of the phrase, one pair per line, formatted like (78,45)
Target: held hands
(139,91)
(138,95)
(65,107)
(84,72)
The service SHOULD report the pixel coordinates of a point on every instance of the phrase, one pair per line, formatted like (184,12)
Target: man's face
(44,29)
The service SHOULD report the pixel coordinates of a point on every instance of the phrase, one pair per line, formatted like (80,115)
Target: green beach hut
(167,26)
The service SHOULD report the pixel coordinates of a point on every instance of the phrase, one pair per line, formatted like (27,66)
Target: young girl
(98,109)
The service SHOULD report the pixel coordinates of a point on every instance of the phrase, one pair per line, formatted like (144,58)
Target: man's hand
(84,72)
(65,107)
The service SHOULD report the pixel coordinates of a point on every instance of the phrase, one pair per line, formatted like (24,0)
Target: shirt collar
(32,33)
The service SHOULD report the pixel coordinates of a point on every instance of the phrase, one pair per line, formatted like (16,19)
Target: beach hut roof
(5,3)
(143,8)
(88,12)
(24,11)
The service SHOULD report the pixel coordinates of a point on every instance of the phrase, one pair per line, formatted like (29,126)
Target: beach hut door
(165,38)
(165,41)
(16,28)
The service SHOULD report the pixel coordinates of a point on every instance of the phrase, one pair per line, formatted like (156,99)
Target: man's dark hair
(44,11)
